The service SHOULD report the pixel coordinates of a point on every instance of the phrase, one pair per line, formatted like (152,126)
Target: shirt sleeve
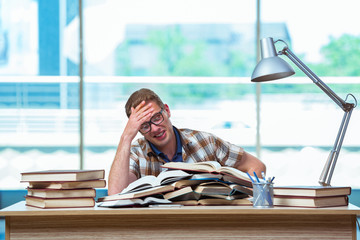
(134,164)
(228,154)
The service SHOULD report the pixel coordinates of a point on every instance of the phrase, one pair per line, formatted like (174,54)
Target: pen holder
(263,195)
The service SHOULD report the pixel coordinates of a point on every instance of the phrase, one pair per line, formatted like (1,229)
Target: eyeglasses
(156,120)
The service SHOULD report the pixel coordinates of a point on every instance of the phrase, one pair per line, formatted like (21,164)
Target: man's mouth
(159,135)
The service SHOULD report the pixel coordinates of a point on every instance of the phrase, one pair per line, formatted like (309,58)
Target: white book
(149,181)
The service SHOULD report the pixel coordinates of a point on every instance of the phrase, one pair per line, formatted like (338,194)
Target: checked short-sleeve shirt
(197,146)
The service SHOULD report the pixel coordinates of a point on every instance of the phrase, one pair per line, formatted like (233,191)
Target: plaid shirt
(196,147)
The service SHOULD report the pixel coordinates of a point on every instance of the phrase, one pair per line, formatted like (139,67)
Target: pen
(272,180)
(263,175)
(252,180)
(257,179)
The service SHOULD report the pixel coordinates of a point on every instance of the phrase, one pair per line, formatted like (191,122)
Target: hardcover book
(311,202)
(62,193)
(312,191)
(59,202)
(62,175)
(100,183)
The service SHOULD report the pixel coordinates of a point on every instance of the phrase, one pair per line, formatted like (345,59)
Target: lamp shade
(271,67)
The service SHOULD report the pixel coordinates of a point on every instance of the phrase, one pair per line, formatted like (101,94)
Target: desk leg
(7,228)
(354,230)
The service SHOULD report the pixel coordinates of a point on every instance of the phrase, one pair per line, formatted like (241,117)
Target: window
(39,90)
(299,123)
(198,56)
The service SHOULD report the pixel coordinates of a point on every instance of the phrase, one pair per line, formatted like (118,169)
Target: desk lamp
(272,67)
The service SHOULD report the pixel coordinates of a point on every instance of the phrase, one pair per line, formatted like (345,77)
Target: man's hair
(140,95)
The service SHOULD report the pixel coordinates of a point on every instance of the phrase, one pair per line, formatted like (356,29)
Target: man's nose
(154,127)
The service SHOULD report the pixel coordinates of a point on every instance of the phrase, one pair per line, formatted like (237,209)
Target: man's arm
(120,176)
(250,164)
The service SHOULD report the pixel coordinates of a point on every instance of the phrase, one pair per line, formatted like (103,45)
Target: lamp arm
(339,101)
(329,167)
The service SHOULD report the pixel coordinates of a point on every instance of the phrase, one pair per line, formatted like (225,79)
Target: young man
(162,142)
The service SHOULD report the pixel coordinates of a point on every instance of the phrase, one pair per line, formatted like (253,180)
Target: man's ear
(167,109)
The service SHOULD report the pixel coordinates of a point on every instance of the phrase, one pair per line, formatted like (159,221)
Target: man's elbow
(114,189)
(261,167)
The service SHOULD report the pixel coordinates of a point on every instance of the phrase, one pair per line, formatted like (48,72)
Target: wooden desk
(216,222)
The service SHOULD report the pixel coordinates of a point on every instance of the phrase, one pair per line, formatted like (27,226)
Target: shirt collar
(178,145)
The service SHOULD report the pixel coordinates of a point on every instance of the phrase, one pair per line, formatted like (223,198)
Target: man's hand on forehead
(142,112)
(143,106)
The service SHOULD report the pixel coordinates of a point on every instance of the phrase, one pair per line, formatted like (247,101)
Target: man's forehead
(154,104)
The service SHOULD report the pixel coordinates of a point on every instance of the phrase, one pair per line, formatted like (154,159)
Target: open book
(149,181)
(182,194)
(230,173)
(134,202)
(216,202)
(209,190)
(139,194)
(220,188)
(196,179)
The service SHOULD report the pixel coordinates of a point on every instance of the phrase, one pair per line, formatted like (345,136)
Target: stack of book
(311,196)
(62,188)
(211,193)
(205,183)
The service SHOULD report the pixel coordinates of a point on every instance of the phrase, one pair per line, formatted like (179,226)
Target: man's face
(162,133)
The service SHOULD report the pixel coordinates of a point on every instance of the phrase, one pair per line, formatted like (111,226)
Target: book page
(234,172)
(140,184)
(155,200)
(170,176)
(207,166)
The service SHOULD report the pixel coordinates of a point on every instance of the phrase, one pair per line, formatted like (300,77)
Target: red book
(62,175)
(312,191)
(59,202)
(310,202)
